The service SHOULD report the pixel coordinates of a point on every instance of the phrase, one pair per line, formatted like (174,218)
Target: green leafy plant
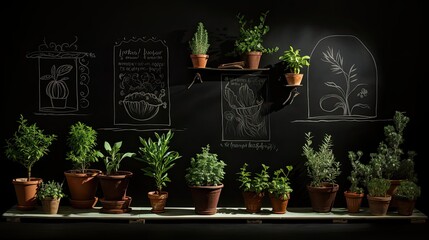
(408,189)
(321,163)
(389,161)
(113,159)
(359,175)
(258,183)
(159,159)
(199,43)
(251,36)
(377,187)
(294,61)
(28,144)
(205,169)
(82,140)
(280,184)
(50,189)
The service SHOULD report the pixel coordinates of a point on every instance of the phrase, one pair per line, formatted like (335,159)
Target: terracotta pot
(157,201)
(82,187)
(115,186)
(279,205)
(405,206)
(252,60)
(206,198)
(26,192)
(253,201)
(293,79)
(50,205)
(353,201)
(323,198)
(378,206)
(199,60)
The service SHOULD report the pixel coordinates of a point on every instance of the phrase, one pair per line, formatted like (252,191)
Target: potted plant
(82,181)
(204,177)
(357,178)
(406,196)
(323,169)
(294,63)
(253,187)
(159,160)
(114,182)
(199,45)
(279,190)
(27,146)
(249,43)
(378,199)
(50,194)
(390,161)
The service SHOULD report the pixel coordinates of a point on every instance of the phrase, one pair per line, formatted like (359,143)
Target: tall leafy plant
(199,43)
(82,140)
(321,163)
(158,157)
(390,161)
(28,144)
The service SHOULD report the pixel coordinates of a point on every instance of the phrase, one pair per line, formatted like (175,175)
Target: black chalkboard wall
(97,40)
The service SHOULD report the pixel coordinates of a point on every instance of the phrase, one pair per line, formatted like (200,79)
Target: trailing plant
(321,163)
(113,158)
(280,184)
(389,161)
(258,183)
(377,187)
(159,158)
(251,35)
(205,169)
(199,43)
(360,173)
(294,61)
(82,140)
(28,144)
(408,189)
(50,189)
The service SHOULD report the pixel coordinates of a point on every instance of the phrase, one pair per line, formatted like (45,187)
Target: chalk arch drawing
(342,80)
(242,118)
(63,77)
(141,80)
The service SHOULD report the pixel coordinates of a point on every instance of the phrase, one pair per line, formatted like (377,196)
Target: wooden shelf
(143,214)
(231,69)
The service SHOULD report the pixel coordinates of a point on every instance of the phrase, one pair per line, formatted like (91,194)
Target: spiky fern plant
(199,44)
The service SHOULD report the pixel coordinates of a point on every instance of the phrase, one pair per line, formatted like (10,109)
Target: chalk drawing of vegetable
(57,89)
(246,114)
(341,99)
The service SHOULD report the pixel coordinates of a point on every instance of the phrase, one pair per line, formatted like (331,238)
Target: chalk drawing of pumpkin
(57,89)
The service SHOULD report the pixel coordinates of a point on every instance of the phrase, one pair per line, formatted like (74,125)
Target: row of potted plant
(249,45)
(206,172)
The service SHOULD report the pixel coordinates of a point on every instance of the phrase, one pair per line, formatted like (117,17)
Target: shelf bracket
(292,94)
(196,77)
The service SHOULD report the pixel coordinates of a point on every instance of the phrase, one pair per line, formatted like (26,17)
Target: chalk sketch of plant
(344,92)
(57,89)
(246,112)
